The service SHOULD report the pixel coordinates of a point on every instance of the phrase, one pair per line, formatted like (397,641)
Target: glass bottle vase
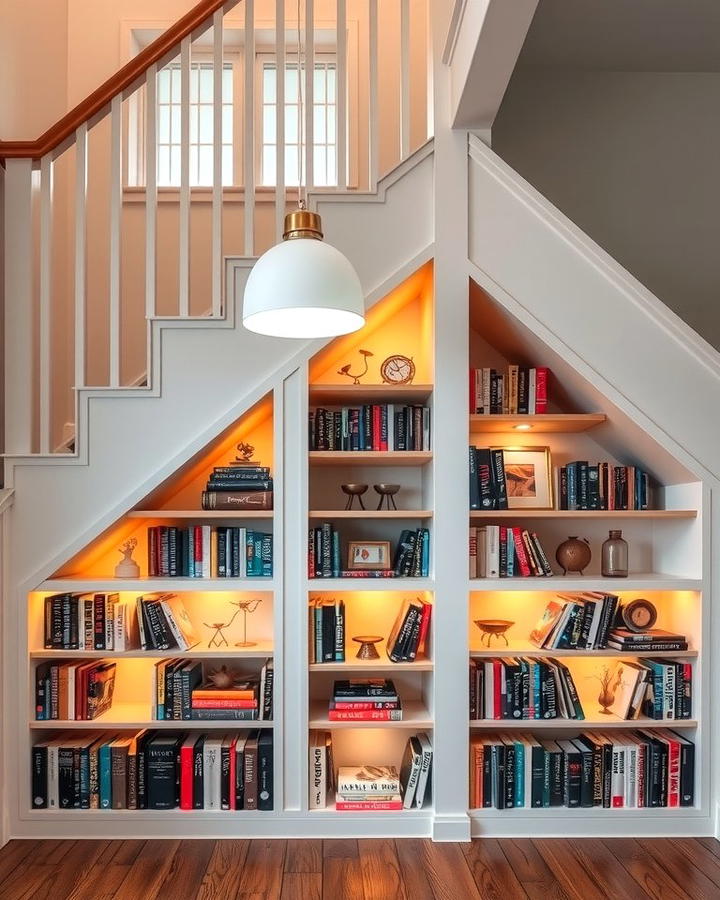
(615,556)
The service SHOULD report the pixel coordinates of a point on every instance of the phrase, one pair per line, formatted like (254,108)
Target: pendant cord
(302,190)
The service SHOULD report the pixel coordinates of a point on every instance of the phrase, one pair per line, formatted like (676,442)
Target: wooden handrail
(115,85)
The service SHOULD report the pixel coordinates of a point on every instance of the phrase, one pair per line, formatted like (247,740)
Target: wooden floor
(621,869)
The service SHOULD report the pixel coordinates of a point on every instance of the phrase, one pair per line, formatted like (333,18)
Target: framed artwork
(528,477)
(369,555)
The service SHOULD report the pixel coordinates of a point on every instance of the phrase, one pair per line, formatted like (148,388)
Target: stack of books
(488,487)
(409,635)
(368,789)
(576,622)
(603,486)
(241,485)
(659,689)
(377,427)
(521,390)
(519,688)
(202,551)
(365,700)
(415,771)
(653,640)
(180,692)
(327,631)
(86,622)
(411,558)
(163,623)
(619,770)
(70,691)
(154,770)
(498,551)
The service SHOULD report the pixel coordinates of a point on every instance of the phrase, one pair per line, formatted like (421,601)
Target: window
(201,124)
(324,124)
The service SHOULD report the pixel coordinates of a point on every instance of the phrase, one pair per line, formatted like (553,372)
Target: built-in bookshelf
(668,567)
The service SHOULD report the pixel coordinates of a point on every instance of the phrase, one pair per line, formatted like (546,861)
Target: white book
(240,759)
(71,691)
(120,638)
(110,603)
(211,772)
(206,532)
(141,623)
(617,781)
(553,638)
(594,623)
(317,780)
(492,552)
(410,771)
(473,558)
(486,391)
(489,682)
(243,552)
(424,779)
(532,386)
(631,758)
(529,742)
(390,425)
(53,796)
(482,552)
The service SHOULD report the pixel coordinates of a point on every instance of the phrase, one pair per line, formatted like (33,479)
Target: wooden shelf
(350,394)
(369,457)
(534,653)
(373,665)
(567,423)
(137,715)
(634,582)
(370,514)
(369,584)
(260,651)
(581,724)
(583,514)
(200,514)
(71,584)
(414,713)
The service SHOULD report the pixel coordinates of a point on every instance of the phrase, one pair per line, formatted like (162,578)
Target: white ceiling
(625,35)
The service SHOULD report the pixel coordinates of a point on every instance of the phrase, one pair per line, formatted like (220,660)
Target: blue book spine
(105,777)
(572,487)
(519,774)
(537,690)
(425,559)
(361,435)
(510,554)
(257,555)
(266,555)
(335,554)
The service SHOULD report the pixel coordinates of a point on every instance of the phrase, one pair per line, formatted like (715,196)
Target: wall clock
(639,615)
(397,369)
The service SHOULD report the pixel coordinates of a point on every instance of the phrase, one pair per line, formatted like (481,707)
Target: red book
(673,782)
(521,552)
(368,805)
(223,703)
(364,704)
(153,553)
(367,573)
(197,546)
(375,431)
(186,773)
(471,393)
(424,628)
(541,389)
(365,715)
(383,428)
(497,688)
(233,771)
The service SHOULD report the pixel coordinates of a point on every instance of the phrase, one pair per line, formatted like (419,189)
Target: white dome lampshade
(303,288)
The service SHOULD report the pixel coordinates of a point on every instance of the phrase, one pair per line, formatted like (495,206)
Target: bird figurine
(345,370)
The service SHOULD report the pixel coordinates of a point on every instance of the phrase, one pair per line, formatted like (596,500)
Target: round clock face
(640,615)
(397,370)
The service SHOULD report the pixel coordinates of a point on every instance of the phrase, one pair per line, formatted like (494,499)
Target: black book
(487,777)
(267,696)
(222,715)
(610,602)
(66,778)
(590,785)
(221,554)
(687,770)
(327,612)
(537,775)
(563,487)
(265,770)
(362,689)
(225,787)
(162,753)
(523,390)
(74,623)
(582,483)
(585,624)
(474,481)
(198,772)
(653,765)
(509,775)
(326,557)
(159,631)
(190,678)
(142,743)
(607,768)
(39,776)
(573,765)
(240,771)
(557,773)
(169,676)
(485,480)
(247,487)
(498,753)
(497,466)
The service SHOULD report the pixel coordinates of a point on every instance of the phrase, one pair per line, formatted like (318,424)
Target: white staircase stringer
(558,276)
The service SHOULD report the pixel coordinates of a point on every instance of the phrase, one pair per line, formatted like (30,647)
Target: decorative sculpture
(345,370)
(127,567)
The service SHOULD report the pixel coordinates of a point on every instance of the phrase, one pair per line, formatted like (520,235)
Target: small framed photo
(369,555)
(528,477)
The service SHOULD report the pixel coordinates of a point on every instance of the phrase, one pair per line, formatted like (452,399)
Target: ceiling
(625,35)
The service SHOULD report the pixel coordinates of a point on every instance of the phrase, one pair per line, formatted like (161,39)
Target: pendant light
(303,287)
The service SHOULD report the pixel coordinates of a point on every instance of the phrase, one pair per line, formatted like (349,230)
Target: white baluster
(341,95)
(373,144)
(279,119)
(249,143)
(184,246)
(80,252)
(18,306)
(45,312)
(150,191)
(217,194)
(404,79)
(309,92)
(115,225)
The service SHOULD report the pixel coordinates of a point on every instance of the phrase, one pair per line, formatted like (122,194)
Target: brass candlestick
(245,607)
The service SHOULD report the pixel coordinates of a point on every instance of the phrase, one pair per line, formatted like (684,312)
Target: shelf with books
(636,581)
(415,715)
(138,715)
(579,724)
(370,457)
(584,514)
(545,423)
(526,649)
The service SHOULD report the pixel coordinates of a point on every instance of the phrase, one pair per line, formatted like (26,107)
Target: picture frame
(369,555)
(528,477)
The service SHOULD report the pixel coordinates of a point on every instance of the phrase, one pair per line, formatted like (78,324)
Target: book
(394,803)
(368,780)
(410,771)
(237,500)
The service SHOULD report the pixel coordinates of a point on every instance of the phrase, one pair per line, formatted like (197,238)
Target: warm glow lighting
(522,427)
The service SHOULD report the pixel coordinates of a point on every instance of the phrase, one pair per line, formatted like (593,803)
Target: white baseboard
(451,828)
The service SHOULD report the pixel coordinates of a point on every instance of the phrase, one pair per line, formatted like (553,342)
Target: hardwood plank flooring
(380,869)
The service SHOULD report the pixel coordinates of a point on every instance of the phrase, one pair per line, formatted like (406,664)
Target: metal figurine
(245,607)
(345,370)
(218,639)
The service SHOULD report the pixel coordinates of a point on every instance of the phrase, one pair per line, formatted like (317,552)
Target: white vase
(127,568)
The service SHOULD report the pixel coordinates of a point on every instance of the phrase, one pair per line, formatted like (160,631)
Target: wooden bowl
(493,628)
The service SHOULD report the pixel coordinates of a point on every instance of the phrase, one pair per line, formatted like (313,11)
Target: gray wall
(633,158)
